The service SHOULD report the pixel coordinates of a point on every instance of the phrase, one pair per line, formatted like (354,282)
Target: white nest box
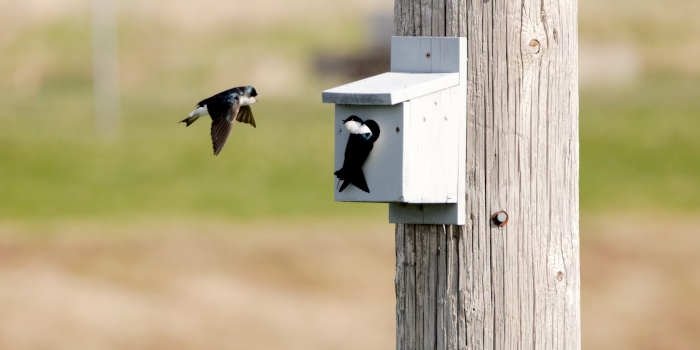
(418,162)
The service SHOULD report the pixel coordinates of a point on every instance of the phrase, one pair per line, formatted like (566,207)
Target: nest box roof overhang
(389,89)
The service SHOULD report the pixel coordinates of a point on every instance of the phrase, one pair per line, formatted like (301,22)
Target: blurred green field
(56,166)
(142,239)
(640,151)
(639,145)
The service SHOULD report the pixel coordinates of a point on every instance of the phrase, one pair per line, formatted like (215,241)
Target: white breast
(357,128)
(246,101)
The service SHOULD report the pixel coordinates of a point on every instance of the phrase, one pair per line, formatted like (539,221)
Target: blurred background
(118,229)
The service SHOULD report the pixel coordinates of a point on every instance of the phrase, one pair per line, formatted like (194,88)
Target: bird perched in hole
(363,134)
(224,109)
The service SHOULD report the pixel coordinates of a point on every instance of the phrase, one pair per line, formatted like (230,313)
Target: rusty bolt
(427,55)
(560,276)
(500,218)
(535,44)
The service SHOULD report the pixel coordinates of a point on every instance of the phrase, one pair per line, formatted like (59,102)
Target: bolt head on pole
(500,219)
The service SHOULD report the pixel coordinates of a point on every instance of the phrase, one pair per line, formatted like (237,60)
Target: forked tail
(198,112)
(355,177)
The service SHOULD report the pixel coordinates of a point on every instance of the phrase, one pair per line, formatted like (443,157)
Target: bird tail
(198,112)
(190,120)
(356,178)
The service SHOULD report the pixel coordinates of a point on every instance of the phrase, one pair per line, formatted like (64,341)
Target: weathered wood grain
(480,286)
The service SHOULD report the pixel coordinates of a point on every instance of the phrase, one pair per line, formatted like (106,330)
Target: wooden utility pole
(105,66)
(483,286)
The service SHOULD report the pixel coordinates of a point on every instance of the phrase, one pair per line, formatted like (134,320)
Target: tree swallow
(363,134)
(224,108)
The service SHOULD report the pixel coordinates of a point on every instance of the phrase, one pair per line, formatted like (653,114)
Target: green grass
(639,146)
(640,149)
(282,168)
(56,167)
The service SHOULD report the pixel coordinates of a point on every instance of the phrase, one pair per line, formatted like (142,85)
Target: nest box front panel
(383,168)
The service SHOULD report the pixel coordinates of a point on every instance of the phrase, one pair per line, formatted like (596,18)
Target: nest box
(417,164)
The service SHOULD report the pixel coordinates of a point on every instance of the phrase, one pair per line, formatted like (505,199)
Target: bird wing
(356,152)
(245,115)
(221,126)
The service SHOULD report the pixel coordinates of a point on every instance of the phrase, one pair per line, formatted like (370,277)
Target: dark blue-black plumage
(357,150)
(227,97)
(224,108)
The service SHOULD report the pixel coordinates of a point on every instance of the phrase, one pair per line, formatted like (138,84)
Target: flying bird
(224,109)
(363,134)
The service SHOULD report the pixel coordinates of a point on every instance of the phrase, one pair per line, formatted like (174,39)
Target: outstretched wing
(245,115)
(221,126)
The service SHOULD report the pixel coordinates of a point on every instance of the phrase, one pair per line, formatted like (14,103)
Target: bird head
(356,126)
(352,118)
(249,95)
(250,91)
